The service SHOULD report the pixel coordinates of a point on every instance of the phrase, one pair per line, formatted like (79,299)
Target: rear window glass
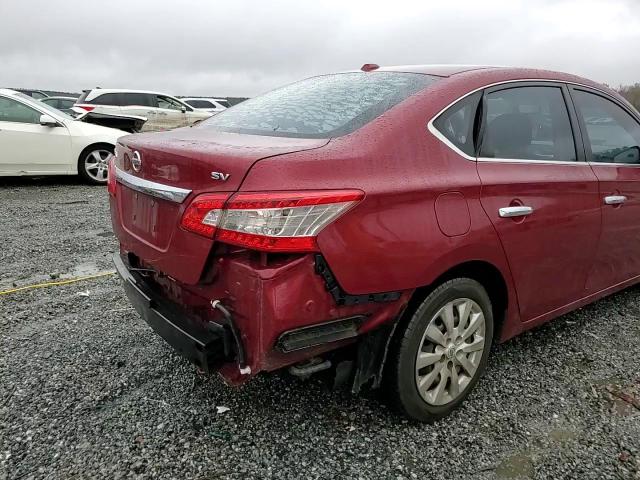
(321,107)
(200,104)
(142,99)
(457,123)
(107,99)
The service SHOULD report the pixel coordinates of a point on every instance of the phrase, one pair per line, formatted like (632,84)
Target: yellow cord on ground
(61,282)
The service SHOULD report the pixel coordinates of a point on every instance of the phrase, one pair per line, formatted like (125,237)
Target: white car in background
(163,112)
(37,139)
(211,105)
(63,104)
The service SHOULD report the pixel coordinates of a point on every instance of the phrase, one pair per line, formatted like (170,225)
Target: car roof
(8,91)
(204,98)
(62,98)
(487,75)
(94,92)
(490,72)
(440,70)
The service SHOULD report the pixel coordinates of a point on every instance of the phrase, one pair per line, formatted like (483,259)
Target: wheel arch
(488,274)
(93,145)
(485,273)
(88,148)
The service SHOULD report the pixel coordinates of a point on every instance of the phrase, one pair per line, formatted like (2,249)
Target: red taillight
(271,221)
(203,214)
(88,108)
(268,244)
(111,176)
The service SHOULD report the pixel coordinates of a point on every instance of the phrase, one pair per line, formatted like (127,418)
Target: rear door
(612,142)
(170,114)
(540,194)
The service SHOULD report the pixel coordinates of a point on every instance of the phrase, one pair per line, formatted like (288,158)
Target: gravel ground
(88,391)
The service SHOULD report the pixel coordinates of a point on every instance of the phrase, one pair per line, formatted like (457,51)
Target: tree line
(631,93)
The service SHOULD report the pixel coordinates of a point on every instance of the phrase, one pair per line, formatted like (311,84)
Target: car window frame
(184,104)
(583,127)
(571,112)
(474,126)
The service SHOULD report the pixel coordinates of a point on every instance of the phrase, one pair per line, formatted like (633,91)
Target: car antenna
(368,67)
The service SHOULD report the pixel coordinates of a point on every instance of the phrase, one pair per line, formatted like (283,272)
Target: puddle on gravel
(519,465)
(83,269)
(80,270)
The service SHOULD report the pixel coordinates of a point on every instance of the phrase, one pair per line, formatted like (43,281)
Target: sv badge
(220,176)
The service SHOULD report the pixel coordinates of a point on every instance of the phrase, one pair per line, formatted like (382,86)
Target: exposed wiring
(54,284)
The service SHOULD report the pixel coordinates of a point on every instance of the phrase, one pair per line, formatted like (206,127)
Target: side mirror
(48,121)
(183,108)
(629,156)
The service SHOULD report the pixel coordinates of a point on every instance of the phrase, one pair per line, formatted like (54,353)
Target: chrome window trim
(532,162)
(611,164)
(159,190)
(436,133)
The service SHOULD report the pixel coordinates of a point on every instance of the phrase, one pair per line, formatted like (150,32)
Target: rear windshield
(320,107)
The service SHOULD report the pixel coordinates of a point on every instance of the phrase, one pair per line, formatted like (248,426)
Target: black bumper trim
(206,345)
(319,334)
(343,298)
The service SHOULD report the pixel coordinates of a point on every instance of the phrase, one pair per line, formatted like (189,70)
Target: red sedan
(389,223)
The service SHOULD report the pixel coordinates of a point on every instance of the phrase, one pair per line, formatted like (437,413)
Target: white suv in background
(211,105)
(163,112)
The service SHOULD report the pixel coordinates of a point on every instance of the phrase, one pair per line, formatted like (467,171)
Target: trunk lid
(189,161)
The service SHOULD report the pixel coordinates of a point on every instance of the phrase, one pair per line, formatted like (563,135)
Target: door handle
(517,211)
(615,199)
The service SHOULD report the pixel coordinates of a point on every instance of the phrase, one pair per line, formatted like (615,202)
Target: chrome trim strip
(611,164)
(542,162)
(435,132)
(159,190)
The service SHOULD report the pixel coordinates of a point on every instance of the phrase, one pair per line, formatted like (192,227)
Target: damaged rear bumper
(207,345)
(275,314)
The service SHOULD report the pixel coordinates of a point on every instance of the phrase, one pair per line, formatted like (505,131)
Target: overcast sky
(242,48)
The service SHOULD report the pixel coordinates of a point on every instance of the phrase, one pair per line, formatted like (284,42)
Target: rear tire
(92,163)
(442,352)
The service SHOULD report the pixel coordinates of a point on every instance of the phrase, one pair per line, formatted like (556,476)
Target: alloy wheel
(450,351)
(96,164)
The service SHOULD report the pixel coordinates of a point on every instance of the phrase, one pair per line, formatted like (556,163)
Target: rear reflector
(111,176)
(271,221)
